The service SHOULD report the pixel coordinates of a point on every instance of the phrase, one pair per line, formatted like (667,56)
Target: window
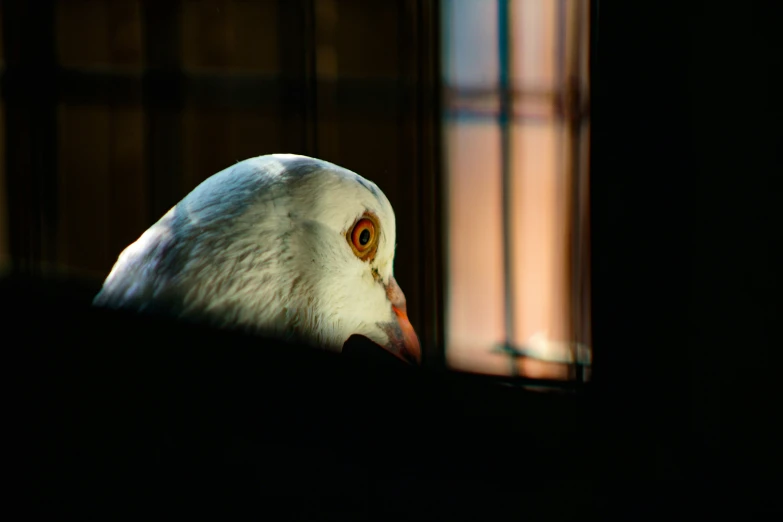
(516,132)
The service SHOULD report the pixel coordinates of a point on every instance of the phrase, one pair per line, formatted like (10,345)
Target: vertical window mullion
(504,120)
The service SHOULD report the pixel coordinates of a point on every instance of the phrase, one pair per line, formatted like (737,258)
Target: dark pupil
(364,237)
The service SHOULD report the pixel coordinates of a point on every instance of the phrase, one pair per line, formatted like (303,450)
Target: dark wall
(685,182)
(115,110)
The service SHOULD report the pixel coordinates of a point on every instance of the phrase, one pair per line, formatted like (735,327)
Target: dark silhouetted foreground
(116,406)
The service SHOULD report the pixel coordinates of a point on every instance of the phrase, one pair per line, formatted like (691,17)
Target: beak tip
(410,358)
(402,337)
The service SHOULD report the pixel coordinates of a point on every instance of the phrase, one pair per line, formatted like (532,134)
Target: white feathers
(262,245)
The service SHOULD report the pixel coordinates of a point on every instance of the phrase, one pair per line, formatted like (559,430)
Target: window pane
(534,42)
(539,231)
(470,32)
(100,34)
(474,320)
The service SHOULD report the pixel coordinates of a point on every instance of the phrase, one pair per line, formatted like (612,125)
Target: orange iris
(363,235)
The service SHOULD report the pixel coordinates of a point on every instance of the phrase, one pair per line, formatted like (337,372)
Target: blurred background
(471,115)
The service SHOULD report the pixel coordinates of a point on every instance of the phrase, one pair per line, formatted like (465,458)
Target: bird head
(339,235)
(282,244)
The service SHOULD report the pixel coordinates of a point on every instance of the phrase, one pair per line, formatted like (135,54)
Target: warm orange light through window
(545,59)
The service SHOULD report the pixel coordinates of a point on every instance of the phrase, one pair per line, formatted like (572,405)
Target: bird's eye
(363,237)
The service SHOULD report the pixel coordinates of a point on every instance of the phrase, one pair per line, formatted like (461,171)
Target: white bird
(281,244)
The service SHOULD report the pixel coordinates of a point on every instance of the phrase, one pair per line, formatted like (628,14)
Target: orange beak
(403,341)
